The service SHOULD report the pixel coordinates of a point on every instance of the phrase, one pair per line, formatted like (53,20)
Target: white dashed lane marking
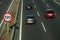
(38,13)
(43,26)
(35,6)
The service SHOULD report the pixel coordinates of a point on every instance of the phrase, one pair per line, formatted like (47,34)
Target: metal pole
(8,28)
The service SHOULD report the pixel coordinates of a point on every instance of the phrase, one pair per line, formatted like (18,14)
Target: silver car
(30,18)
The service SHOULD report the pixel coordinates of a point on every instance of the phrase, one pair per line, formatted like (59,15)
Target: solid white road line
(35,6)
(56,2)
(20,36)
(38,13)
(43,26)
(47,5)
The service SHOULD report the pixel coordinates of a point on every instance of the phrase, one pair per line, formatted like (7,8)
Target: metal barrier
(14,29)
(2,22)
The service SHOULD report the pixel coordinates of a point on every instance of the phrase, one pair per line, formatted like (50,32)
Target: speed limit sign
(7,17)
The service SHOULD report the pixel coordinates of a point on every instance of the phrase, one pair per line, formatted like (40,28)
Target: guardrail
(14,29)
(2,22)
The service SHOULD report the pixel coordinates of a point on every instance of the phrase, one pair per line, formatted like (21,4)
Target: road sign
(7,17)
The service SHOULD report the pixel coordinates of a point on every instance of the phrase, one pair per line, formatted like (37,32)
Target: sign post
(7,18)
(7,28)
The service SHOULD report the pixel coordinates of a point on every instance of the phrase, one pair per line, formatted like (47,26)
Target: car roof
(29,14)
(49,9)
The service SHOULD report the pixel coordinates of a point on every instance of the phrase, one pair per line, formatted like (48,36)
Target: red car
(50,14)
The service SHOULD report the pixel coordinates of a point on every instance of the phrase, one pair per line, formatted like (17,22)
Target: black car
(28,6)
(0,1)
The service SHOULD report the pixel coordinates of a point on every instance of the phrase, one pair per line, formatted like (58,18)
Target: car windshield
(50,11)
(29,15)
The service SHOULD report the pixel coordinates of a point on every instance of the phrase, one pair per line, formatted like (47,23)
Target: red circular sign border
(11,16)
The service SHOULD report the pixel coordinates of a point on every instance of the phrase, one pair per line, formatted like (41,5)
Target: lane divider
(56,2)
(35,6)
(20,36)
(38,13)
(43,26)
(47,5)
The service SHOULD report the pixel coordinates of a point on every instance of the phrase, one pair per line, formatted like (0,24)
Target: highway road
(4,4)
(44,29)
(53,25)
(36,31)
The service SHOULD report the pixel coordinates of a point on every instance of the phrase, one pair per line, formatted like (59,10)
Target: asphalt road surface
(4,4)
(35,31)
(44,29)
